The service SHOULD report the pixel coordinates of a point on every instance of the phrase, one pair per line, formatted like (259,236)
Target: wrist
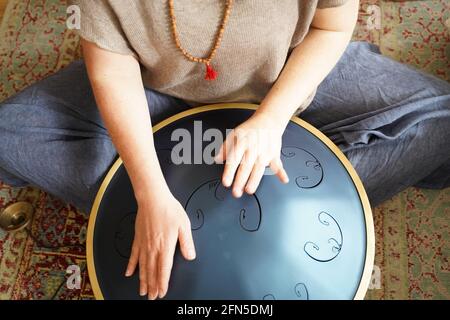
(146,199)
(150,190)
(272,119)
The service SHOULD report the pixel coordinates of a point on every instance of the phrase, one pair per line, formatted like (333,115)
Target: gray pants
(391,121)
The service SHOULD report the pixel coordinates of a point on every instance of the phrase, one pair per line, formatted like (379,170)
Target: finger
(234,158)
(133,261)
(143,275)
(226,145)
(152,276)
(243,173)
(186,242)
(220,156)
(277,167)
(165,266)
(255,177)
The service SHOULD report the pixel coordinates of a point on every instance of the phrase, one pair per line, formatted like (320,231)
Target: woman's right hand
(160,222)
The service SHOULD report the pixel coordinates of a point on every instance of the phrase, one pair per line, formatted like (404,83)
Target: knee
(11,120)
(433,102)
(9,146)
(11,180)
(12,110)
(7,122)
(437,89)
(8,141)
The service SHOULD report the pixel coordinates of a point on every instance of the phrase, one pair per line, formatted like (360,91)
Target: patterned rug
(412,229)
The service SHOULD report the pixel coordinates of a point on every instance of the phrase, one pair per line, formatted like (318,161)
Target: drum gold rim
(370,233)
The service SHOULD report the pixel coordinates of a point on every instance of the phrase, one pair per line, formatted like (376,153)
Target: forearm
(120,96)
(308,65)
(306,68)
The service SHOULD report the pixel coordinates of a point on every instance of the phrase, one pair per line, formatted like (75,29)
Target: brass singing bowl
(16,216)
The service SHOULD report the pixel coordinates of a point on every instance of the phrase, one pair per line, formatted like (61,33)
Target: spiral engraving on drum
(213,197)
(308,170)
(197,220)
(300,289)
(123,237)
(220,191)
(249,222)
(325,250)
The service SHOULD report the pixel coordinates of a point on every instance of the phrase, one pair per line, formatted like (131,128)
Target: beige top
(256,42)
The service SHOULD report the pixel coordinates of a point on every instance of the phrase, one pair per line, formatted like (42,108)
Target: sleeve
(100,24)
(322,4)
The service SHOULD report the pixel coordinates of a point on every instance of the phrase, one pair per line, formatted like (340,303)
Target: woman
(147,60)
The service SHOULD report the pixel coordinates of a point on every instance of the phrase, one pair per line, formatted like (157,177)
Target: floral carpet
(412,229)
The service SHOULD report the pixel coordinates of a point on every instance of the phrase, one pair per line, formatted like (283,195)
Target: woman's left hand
(248,150)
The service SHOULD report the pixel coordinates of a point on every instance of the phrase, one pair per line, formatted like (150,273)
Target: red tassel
(211,74)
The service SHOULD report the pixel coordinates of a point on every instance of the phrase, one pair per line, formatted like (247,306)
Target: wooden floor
(2,8)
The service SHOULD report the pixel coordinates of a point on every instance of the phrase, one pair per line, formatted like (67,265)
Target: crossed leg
(390,120)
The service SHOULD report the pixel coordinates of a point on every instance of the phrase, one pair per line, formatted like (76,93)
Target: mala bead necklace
(211,74)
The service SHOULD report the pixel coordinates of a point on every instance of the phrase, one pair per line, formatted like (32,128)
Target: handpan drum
(312,238)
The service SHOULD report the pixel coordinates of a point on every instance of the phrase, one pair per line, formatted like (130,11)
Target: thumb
(186,242)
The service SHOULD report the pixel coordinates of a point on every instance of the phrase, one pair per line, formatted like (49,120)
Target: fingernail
(127,273)
(143,293)
(192,254)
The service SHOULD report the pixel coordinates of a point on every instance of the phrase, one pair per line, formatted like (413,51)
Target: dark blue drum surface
(309,239)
